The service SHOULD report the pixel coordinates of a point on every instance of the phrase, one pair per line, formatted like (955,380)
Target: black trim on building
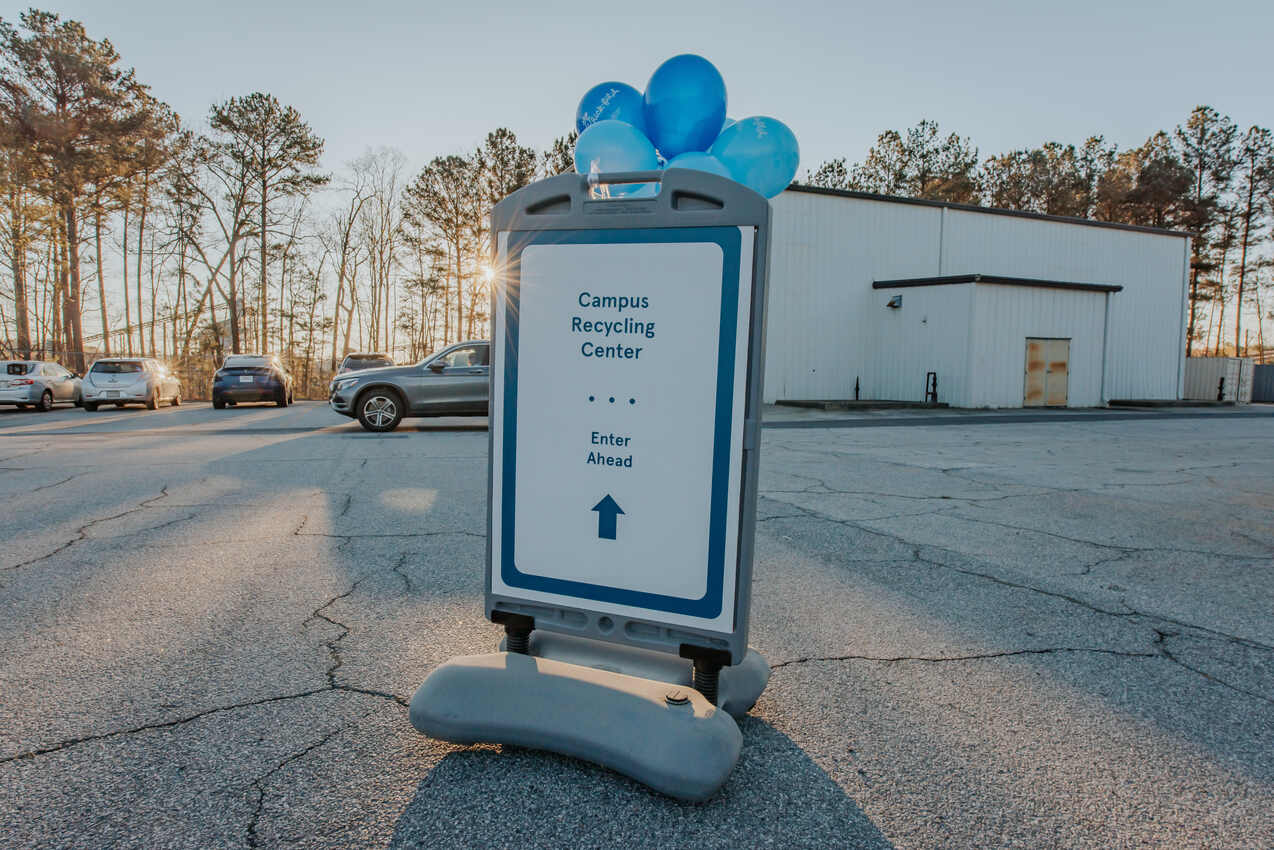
(1065,219)
(994,279)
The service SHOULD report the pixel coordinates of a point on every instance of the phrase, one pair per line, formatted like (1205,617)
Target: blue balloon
(760,152)
(610,101)
(700,162)
(609,146)
(728,123)
(685,105)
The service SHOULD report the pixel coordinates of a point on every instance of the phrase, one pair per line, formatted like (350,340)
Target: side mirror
(437,366)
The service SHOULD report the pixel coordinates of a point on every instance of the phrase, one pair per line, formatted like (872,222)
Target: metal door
(1047,372)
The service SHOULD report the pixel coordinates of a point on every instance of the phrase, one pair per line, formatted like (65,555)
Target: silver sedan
(453,382)
(37,383)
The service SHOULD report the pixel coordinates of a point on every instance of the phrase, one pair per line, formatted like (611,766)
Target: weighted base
(665,736)
(738,689)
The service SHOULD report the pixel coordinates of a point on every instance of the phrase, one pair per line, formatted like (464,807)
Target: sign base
(739,688)
(665,736)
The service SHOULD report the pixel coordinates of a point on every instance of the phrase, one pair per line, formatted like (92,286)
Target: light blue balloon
(685,105)
(610,101)
(700,162)
(760,152)
(728,123)
(609,146)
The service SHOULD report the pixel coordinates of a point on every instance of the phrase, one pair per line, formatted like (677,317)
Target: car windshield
(19,368)
(366,361)
(116,367)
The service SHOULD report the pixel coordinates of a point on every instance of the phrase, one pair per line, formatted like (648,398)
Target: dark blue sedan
(251,377)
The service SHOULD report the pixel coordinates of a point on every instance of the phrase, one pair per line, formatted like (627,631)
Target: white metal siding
(1203,378)
(826,325)
(1147,333)
(1006,315)
(929,333)
(825,253)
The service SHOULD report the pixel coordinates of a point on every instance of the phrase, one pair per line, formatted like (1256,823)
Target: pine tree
(277,151)
(1206,142)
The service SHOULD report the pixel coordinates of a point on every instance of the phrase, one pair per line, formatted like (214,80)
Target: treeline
(125,231)
(1205,177)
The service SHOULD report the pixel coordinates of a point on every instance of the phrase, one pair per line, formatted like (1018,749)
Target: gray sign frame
(687,199)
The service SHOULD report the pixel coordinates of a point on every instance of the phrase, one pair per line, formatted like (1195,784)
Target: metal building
(1008,309)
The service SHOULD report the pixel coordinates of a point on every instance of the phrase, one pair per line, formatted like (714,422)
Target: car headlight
(344,383)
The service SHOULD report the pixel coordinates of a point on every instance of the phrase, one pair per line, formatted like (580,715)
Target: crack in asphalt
(938,659)
(166,724)
(333,645)
(81,533)
(260,783)
(57,483)
(1129,613)
(1161,641)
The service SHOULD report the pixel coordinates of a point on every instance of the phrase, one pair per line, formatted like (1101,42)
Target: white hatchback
(130,380)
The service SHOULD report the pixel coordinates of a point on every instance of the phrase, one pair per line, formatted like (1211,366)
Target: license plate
(112,393)
(246,379)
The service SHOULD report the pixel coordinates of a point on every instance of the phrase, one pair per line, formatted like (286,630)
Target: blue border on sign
(729,240)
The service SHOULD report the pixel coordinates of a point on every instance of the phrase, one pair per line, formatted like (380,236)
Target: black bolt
(706,678)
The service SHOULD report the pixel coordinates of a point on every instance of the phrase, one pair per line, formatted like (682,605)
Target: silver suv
(453,382)
(37,383)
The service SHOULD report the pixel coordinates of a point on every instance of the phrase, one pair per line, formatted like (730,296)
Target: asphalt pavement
(1018,633)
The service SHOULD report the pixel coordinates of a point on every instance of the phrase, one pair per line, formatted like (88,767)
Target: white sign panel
(617,415)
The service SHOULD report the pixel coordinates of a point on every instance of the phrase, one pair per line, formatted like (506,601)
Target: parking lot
(985,630)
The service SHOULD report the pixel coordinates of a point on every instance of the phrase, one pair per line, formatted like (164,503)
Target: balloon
(685,105)
(728,123)
(700,162)
(760,152)
(610,101)
(611,145)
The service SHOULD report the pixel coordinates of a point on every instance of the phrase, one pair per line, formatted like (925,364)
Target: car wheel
(79,401)
(218,404)
(177,399)
(23,406)
(46,402)
(152,402)
(282,399)
(90,406)
(380,410)
(120,405)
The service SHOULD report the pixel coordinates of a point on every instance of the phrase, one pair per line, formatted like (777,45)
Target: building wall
(931,332)
(826,325)
(1004,316)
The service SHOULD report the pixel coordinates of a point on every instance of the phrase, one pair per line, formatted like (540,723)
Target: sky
(432,79)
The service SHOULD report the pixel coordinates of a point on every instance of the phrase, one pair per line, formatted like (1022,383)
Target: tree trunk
(336,312)
(17,262)
(128,310)
(101,281)
(1248,214)
(459,295)
(263,301)
(141,234)
(154,296)
(71,298)
(233,306)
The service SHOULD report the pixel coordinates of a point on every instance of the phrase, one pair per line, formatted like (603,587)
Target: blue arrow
(607,511)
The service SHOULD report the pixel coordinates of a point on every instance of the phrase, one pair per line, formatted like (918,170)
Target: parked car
(453,382)
(251,377)
(37,383)
(358,362)
(130,380)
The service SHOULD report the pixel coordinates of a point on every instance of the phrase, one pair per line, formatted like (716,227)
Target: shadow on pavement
(511,797)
